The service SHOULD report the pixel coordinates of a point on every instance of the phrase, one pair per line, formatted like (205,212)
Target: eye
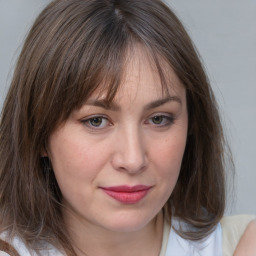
(161,120)
(157,119)
(98,122)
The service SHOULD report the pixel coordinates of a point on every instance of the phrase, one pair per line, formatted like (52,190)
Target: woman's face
(117,165)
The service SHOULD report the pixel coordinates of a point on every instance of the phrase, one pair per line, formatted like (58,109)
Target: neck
(94,241)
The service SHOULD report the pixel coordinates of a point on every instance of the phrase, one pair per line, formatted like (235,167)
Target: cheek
(75,161)
(75,170)
(170,152)
(167,160)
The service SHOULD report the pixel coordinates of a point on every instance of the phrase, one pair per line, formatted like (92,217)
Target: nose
(130,154)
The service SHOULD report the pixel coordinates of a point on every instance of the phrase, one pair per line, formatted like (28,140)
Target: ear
(44,152)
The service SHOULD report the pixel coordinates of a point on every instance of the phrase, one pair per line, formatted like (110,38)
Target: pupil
(157,119)
(96,121)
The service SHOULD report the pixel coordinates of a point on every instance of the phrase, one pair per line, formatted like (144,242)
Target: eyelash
(166,120)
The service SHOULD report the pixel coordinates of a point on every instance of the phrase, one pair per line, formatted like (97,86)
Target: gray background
(224,32)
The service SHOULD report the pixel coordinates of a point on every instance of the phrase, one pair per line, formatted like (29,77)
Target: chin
(127,223)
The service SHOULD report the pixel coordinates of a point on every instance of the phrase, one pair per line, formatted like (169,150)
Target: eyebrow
(103,104)
(114,107)
(160,102)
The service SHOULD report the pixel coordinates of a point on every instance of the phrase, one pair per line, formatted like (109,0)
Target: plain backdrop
(224,32)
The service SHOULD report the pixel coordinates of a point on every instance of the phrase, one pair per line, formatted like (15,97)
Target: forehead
(144,73)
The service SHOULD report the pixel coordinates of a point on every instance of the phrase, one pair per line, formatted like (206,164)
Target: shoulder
(233,227)
(174,244)
(247,244)
(16,247)
(13,247)
(6,249)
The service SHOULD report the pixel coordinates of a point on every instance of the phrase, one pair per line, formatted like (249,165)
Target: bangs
(90,53)
(97,61)
(104,70)
(107,77)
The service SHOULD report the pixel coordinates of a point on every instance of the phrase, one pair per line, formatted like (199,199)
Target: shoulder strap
(7,248)
(233,228)
(166,232)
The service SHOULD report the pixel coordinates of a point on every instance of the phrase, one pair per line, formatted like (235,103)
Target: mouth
(127,194)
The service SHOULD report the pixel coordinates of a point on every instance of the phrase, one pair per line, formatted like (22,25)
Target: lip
(127,194)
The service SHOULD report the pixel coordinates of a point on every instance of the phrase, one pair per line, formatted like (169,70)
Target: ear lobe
(44,152)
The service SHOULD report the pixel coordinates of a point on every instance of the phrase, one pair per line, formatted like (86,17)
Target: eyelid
(164,114)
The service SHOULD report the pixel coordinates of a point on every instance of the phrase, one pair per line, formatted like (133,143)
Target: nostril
(130,154)
(132,162)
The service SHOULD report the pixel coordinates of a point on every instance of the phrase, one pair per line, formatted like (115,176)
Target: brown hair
(71,49)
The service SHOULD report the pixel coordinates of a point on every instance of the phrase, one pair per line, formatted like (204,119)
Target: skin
(134,141)
(247,244)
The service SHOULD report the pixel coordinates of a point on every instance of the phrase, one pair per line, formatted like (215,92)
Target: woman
(110,137)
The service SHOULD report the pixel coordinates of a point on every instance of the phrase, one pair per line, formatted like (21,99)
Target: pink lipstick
(127,194)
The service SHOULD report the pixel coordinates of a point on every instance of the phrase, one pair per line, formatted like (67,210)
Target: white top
(3,253)
(172,245)
(21,248)
(222,242)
